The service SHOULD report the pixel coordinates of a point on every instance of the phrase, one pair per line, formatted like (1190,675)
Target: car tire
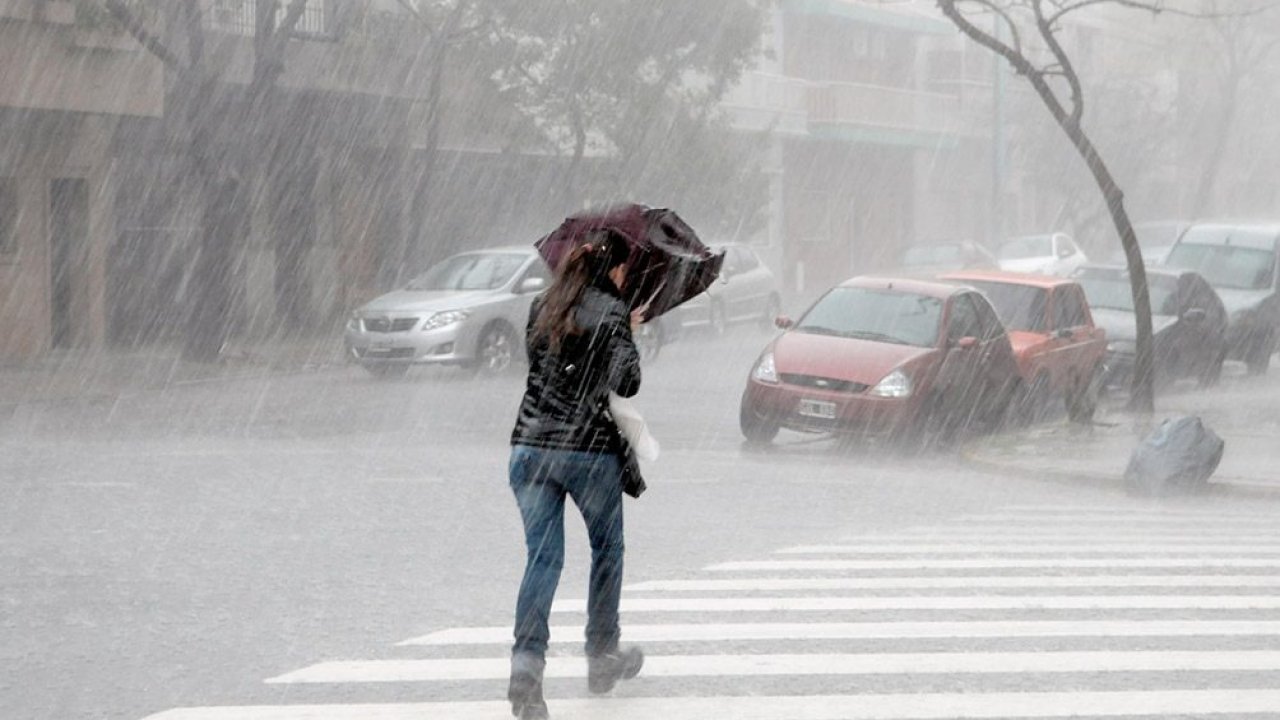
(495,350)
(758,427)
(717,323)
(649,340)
(387,371)
(1258,357)
(772,308)
(1033,406)
(936,426)
(1212,371)
(1082,400)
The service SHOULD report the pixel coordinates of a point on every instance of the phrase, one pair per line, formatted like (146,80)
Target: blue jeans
(540,479)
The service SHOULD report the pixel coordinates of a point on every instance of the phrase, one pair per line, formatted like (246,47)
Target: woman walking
(580,348)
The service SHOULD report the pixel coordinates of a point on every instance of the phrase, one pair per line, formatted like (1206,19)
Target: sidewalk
(87,376)
(1244,412)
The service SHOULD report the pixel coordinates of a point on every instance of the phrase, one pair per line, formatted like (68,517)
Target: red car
(1060,352)
(884,357)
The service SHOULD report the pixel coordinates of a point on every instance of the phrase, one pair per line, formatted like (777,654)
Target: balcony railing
(795,105)
(883,107)
(239,17)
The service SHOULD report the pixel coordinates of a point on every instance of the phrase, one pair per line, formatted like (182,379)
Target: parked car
(1188,323)
(1240,262)
(883,356)
(946,255)
(1155,240)
(1051,254)
(468,310)
(746,292)
(1059,350)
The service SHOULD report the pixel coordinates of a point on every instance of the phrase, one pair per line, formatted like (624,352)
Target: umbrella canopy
(668,263)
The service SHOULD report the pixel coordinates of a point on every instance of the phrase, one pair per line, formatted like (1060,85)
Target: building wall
(63,88)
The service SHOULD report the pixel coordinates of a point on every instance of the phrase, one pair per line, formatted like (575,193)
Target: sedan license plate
(817,409)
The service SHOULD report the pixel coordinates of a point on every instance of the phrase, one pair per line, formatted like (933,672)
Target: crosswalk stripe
(929,602)
(453,669)
(980,563)
(993,534)
(1171,519)
(957,581)
(1022,548)
(698,632)
(1071,511)
(909,706)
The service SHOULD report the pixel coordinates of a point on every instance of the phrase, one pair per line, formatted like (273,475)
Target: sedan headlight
(896,384)
(765,371)
(1122,347)
(444,319)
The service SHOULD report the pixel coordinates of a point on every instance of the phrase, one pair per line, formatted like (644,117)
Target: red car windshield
(1020,307)
(874,314)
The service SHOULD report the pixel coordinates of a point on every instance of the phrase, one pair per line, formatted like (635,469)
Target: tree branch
(1067,71)
(130,22)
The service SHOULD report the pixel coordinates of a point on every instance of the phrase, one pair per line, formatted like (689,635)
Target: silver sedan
(468,310)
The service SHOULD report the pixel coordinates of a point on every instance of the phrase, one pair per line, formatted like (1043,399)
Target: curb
(1112,483)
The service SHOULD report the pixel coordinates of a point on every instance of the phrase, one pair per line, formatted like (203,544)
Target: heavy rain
(924,345)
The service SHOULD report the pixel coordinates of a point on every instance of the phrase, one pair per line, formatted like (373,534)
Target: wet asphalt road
(173,548)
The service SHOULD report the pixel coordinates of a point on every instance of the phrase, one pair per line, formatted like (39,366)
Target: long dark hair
(588,264)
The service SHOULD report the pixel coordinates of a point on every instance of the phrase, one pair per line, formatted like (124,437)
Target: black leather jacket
(566,395)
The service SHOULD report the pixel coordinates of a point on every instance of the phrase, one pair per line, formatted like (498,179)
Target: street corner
(1097,454)
(1092,455)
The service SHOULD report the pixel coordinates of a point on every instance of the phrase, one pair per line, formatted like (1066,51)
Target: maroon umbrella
(668,263)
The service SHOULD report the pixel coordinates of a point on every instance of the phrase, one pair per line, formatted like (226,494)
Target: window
(1226,266)
(8,215)
(1068,309)
(472,271)
(877,315)
(1027,247)
(989,321)
(747,260)
(538,269)
(964,319)
(1021,307)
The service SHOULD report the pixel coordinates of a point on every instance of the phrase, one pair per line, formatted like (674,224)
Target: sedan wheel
(496,350)
(1259,354)
(716,319)
(649,340)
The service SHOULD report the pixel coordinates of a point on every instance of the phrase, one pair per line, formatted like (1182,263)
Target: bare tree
(1030,40)
(1242,43)
(199,117)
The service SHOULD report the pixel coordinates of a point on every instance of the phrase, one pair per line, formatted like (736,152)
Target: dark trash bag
(1178,456)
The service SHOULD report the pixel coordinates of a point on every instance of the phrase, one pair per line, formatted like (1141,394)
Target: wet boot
(605,670)
(525,689)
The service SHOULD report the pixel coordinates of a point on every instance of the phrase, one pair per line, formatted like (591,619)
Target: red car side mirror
(783,322)
(967,343)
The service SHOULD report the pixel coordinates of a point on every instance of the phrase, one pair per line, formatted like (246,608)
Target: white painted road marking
(698,632)
(910,706)
(980,563)
(907,548)
(986,663)
(929,602)
(957,581)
